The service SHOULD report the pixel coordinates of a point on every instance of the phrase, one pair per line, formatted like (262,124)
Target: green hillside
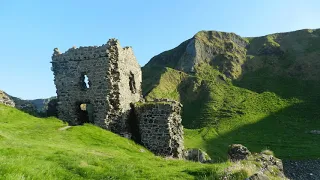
(261,92)
(35,148)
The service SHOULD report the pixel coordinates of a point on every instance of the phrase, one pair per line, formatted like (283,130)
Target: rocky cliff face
(226,51)
(5,99)
(289,54)
(211,61)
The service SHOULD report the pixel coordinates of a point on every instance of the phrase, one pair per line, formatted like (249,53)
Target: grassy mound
(35,148)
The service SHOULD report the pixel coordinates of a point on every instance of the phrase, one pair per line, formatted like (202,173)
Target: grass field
(35,148)
(258,111)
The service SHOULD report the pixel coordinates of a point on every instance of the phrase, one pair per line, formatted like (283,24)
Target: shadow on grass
(194,102)
(151,78)
(286,133)
(284,86)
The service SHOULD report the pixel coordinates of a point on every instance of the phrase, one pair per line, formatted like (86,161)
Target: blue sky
(30,30)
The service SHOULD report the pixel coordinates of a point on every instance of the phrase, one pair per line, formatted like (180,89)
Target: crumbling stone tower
(97,85)
(102,86)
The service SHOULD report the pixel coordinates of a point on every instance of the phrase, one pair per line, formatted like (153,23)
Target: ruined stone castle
(102,85)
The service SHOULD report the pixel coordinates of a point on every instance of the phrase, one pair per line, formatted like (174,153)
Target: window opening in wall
(85,113)
(85,82)
(132,83)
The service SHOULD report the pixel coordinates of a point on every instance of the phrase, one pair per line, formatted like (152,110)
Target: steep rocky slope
(223,50)
(261,92)
(294,53)
(5,99)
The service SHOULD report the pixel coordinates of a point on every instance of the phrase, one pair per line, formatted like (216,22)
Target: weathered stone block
(164,140)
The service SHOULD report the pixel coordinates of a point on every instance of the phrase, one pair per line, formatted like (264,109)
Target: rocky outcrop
(258,176)
(263,165)
(226,51)
(6,99)
(238,152)
(292,54)
(197,155)
(269,164)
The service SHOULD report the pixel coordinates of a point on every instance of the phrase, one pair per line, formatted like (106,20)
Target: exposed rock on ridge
(6,99)
(289,54)
(223,50)
(37,107)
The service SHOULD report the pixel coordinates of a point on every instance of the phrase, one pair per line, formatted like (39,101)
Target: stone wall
(111,97)
(5,99)
(160,127)
(124,75)
(110,70)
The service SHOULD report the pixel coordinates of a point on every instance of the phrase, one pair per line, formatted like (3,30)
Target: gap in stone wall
(84,81)
(133,124)
(85,113)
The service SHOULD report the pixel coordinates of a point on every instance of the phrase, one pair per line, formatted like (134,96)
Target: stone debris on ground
(197,155)
(263,165)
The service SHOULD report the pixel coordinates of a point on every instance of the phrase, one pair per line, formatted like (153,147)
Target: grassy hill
(42,148)
(261,92)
